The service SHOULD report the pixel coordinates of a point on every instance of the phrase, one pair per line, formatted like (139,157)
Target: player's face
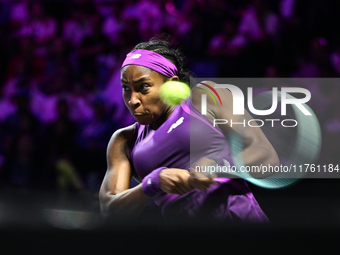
(141,88)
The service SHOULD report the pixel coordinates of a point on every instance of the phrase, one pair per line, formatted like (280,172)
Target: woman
(160,147)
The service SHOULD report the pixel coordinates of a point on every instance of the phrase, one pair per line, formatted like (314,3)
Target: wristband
(150,183)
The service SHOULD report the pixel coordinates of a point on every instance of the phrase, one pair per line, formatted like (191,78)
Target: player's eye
(125,88)
(144,86)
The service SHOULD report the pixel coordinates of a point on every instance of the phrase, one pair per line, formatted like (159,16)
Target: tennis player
(159,149)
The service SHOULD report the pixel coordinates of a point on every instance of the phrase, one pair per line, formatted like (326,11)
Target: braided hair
(165,49)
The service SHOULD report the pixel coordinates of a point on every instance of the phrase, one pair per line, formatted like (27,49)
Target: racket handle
(222,161)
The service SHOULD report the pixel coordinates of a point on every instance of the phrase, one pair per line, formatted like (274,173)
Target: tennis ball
(173,92)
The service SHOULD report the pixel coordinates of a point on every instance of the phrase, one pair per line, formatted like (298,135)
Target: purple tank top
(181,140)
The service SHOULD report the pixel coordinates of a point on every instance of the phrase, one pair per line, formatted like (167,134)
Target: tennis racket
(295,145)
(296,140)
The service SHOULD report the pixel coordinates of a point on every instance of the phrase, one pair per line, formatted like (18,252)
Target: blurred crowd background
(60,95)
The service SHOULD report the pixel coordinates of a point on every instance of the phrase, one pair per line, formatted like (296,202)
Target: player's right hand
(174,181)
(179,181)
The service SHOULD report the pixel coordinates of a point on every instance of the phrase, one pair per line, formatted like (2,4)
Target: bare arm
(258,150)
(116,198)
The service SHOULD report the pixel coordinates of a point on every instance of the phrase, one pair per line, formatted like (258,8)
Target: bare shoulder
(120,139)
(123,134)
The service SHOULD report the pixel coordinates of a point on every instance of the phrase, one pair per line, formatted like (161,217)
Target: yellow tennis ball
(173,92)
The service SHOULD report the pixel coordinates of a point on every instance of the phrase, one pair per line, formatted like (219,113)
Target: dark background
(60,101)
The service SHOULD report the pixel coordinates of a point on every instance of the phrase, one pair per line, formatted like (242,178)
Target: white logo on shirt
(178,122)
(135,56)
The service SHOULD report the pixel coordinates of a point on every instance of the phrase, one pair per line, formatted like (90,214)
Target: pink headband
(151,60)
